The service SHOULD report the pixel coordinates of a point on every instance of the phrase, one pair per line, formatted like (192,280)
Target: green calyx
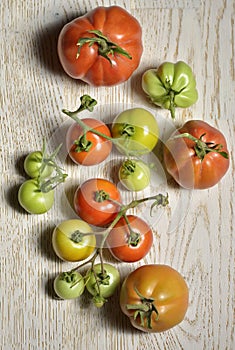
(203,148)
(77,236)
(82,144)
(101,196)
(105,46)
(128,167)
(144,310)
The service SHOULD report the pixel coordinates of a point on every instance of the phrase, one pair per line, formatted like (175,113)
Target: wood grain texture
(195,234)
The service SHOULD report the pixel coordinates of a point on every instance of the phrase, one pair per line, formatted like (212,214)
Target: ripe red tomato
(198,159)
(88,148)
(130,240)
(102,48)
(154,297)
(96,201)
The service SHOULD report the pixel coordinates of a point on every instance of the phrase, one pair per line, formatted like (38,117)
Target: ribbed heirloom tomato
(154,297)
(102,48)
(96,201)
(196,155)
(88,148)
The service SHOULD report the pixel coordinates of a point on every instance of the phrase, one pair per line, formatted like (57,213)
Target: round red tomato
(130,240)
(102,48)
(96,201)
(154,297)
(196,155)
(88,148)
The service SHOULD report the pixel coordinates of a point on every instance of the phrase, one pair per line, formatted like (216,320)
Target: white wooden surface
(195,235)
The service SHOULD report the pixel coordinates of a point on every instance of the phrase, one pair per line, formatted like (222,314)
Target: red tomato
(199,159)
(96,201)
(130,241)
(154,297)
(91,150)
(107,56)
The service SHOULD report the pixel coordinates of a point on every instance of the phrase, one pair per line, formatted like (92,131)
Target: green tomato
(136,131)
(69,285)
(100,284)
(34,162)
(32,199)
(134,175)
(171,85)
(72,240)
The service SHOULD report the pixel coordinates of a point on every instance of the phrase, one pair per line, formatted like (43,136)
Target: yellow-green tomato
(35,166)
(32,199)
(69,285)
(136,131)
(134,175)
(73,240)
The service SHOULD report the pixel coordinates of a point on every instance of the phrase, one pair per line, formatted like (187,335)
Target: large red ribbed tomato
(196,155)
(102,48)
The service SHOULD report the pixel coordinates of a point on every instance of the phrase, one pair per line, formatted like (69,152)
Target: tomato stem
(203,148)
(48,184)
(134,237)
(105,46)
(144,310)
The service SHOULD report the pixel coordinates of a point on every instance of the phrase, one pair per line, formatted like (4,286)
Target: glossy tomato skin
(134,175)
(100,148)
(106,287)
(136,130)
(182,162)
(97,213)
(119,237)
(119,27)
(168,289)
(33,163)
(32,199)
(69,285)
(70,244)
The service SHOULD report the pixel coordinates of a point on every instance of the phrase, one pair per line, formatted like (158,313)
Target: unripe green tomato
(134,175)
(69,285)
(33,163)
(107,282)
(32,199)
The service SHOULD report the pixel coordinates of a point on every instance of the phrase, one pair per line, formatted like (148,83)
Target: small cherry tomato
(69,285)
(88,148)
(131,239)
(102,282)
(96,201)
(154,297)
(134,175)
(136,131)
(34,166)
(32,199)
(72,240)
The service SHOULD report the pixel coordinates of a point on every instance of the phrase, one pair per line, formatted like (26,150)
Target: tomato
(69,285)
(134,175)
(102,48)
(102,283)
(72,240)
(34,165)
(88,148)
(154,297)
(32,199)
(96,201)
(171,85)
(130,240)
(136,131)
(196,155)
